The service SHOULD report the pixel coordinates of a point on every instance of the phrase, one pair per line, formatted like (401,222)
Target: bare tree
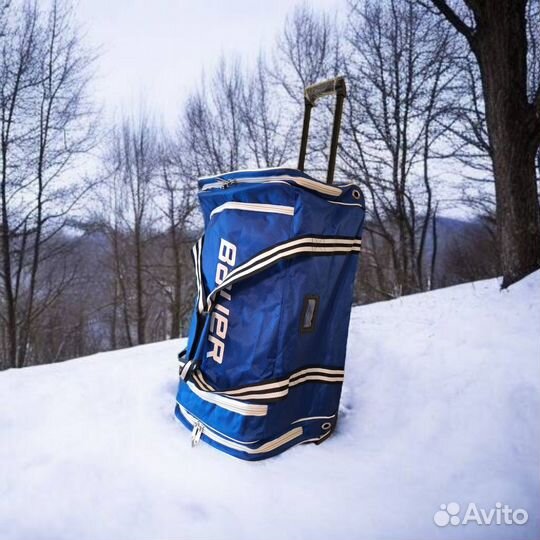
(133,163)
(497,36)
(46,123)
(467,126)
(176,191)
(18,42)
(306,52)
(401,73)
(212,122)
(309,50)
(268,132)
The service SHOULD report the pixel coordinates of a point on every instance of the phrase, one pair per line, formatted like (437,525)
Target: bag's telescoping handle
(311,95)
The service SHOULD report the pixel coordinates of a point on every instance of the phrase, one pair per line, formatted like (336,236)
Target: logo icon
(448,514)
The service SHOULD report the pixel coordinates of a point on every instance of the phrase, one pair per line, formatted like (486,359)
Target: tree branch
(453,18)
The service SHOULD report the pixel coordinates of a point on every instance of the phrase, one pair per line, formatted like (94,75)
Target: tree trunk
(139,292)
(517,210)
(501,49)
(176,304)
(10,301)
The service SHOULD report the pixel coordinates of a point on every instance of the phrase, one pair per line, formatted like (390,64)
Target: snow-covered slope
(441,404)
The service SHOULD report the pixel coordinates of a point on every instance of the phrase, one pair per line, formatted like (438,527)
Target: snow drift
(441,404)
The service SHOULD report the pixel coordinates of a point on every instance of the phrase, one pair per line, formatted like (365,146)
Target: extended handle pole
(312,94)
(305,132)
(335,138)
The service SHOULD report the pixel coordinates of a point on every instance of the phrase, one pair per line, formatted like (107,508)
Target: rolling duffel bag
(275,269)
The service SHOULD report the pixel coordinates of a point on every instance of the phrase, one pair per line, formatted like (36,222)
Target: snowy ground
(441,404)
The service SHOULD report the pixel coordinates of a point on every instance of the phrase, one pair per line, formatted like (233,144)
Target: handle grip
(330,87)
(312,93)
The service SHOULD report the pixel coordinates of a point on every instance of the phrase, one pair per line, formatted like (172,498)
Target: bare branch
(453,18)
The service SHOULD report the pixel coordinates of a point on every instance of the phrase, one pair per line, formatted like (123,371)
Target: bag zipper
(208,432)
(203,426)
(304,182)
(254,207)
(196,433)
(227,183)
(239,407)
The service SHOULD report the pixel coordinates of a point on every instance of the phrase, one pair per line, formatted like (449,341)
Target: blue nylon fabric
(263,341)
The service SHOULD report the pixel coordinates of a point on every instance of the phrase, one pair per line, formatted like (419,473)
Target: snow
(441,404)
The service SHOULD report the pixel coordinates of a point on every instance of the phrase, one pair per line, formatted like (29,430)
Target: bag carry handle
(312,93)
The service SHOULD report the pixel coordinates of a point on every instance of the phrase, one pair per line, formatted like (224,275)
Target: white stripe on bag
(232,405)
(254,207)
(281,392)
(275,389)
(293,243)
(323,242)
(280,388)
(286,382)
(326,245)
(185,369)
(337,250)
(201,382)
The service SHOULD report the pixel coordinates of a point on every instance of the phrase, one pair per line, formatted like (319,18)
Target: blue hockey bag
(275,271)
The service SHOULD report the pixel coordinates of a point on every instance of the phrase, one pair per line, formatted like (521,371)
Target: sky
(152,52)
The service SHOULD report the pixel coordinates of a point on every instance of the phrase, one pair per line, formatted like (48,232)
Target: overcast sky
(154,50)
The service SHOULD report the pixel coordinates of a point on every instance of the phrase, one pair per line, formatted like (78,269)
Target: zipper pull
(196,433)
(228,183)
